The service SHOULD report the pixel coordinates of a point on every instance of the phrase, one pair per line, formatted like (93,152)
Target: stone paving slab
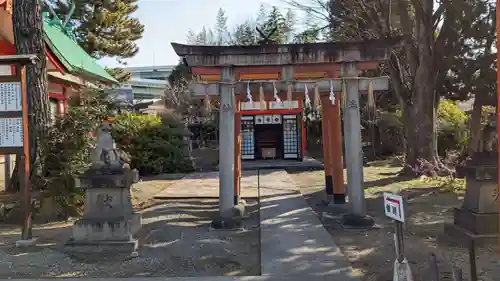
(294,241)
(308,163)
(206,185)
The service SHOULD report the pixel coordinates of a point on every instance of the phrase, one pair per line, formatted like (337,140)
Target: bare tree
(180,100)
(418,69)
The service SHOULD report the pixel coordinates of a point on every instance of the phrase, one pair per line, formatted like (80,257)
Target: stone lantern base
(477,218)
(108,224)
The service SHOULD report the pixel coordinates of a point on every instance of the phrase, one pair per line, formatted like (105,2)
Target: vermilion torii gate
(277,76)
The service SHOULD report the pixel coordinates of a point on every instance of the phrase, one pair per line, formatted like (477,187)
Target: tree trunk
(28,38)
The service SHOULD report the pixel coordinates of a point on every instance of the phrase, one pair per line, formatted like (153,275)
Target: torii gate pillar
(353,149)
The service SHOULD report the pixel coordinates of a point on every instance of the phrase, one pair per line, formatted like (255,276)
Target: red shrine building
(69,67)
(274,132)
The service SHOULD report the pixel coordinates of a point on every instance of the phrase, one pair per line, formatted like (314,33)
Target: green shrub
(153,146)
(452,127)
(390,128)
(67,147)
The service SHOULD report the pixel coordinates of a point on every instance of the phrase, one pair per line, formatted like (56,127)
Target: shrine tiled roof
(71,55)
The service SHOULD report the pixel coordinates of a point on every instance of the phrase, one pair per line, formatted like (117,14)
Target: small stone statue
(105,154)
(489,138)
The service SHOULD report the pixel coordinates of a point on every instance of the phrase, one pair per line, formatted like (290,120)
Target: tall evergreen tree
(244,34)
(205,37)
(277,22)
(105,28)
(221,31)
(262,16)
(191,37)
(28,38)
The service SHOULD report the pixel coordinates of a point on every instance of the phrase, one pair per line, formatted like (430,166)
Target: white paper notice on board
(11,132)
(10,97)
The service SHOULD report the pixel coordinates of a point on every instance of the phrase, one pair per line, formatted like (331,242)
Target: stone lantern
(477,218)
(108,223)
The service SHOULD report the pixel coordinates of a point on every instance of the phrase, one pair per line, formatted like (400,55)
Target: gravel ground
(372,252)
(175,241)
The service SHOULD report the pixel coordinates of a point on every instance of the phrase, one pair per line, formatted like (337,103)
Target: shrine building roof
(71,55)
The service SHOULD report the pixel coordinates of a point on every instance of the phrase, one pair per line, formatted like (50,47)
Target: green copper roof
(71,55)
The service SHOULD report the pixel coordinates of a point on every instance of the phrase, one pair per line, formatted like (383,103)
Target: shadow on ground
(372,251)
(175,241)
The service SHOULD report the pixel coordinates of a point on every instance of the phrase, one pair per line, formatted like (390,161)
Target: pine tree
(221,31)
(276,20)
(211,39)
(105,28)
(28,38)
(202,38)
(262,16)
(119,74)
(191,37)
(244,34)
(249,33)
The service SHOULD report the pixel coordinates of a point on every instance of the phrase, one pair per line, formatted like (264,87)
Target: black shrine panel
(291,140)
(247,137)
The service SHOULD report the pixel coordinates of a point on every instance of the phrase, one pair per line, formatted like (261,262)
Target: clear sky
(168,21)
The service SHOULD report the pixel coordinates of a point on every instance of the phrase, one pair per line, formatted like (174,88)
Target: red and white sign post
(394,209)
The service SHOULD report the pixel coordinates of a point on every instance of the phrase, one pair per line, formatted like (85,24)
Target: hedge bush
(154,147)
(451,126)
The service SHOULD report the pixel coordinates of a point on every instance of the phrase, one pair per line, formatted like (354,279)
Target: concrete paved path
(206,185)
(293,240)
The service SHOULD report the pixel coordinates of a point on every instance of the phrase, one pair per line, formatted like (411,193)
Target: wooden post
(327,161)
(303,132)
(237,154)
(7,171)
(335,133)
(25,162)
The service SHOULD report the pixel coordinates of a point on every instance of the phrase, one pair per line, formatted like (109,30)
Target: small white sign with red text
(393,205)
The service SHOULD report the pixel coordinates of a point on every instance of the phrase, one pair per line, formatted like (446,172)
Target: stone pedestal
(477,218)
(108,223)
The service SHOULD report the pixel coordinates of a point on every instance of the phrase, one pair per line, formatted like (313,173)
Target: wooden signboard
(14,126)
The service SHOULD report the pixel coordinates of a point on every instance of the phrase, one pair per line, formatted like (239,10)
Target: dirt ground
(175,241)
(372,252)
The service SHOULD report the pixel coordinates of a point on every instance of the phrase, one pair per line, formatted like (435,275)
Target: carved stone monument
(477,218)
(108,223)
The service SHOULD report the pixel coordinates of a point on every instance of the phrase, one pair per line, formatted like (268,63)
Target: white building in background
(146,84)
